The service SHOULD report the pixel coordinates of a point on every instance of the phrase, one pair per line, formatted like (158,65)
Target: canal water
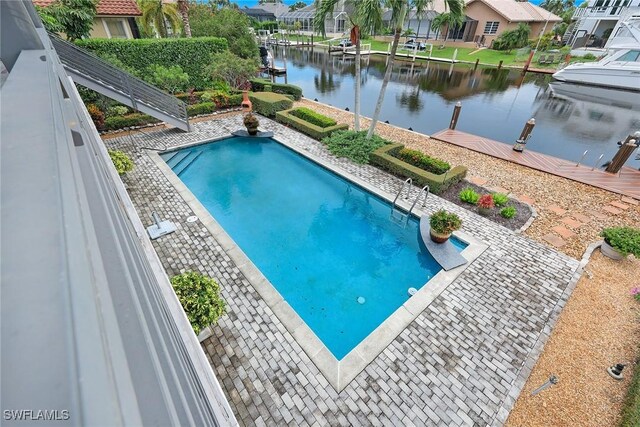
(570,119)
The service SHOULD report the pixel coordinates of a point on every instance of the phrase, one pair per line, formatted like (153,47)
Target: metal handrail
(408,181)
(582,158)
(598,161)
(424,190)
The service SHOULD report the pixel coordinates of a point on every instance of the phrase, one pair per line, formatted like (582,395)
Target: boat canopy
(627,36)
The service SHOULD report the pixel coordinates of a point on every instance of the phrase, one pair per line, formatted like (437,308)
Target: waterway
(495,103)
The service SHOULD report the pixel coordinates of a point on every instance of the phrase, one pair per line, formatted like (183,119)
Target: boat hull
(613,77)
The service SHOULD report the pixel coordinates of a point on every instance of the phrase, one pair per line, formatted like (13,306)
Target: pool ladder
(397,214)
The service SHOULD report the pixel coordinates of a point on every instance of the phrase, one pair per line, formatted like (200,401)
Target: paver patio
(463,361)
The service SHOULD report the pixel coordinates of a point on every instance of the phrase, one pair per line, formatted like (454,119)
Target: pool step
(399,217)
(183,160)
(168,156)
(176,159)
(193,159)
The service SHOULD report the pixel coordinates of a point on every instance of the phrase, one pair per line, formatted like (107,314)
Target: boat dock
(627,182)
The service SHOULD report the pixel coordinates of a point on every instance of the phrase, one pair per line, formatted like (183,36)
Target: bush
(353,145)
(307,128)
(312,117)
(117,110)
(121,161)
(437,183)
(512,39)
(500,199)
(171,79)
(200,298)
(589,56)
(235,100)
(422,161)
(260,85)
(96,115)
(202,108)
(232,25)
(443,222)
(189,53)
(486,202)
(135,119)
(546,42)
(625,240)
(268,104)
(508,212)
(469,195)
(232,69)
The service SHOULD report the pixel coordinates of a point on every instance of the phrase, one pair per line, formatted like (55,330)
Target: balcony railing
(598,12)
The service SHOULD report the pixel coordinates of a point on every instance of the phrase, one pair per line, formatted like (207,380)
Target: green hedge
(235,99)
(202,108)
(192,54)
(259,85)
(437,183)
(268,103)
(307,128)
(313,117)
(135,119)
(421,160)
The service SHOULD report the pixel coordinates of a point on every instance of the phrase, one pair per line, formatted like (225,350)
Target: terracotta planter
(252,131)
(439,237)
(246,102)
(610,252)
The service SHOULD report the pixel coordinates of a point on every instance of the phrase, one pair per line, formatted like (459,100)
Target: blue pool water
(319,239)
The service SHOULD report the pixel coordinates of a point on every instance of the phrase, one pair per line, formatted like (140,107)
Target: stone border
(534,354)
(338,373)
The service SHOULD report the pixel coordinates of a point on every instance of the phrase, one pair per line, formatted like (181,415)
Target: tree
(398,15)
(421,7)
(227,23)
(183,8)
(448,21)
(155,15)
(233,70)
(200,299)
(72,17)
(297,5)
(512,39)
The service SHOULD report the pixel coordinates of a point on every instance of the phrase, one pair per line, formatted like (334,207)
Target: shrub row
(192,54)
(232,100)
(437,183)
(202,108)
(268,103)
(258,85)
(421,160)
(306,127)
(135,119)
(312,117)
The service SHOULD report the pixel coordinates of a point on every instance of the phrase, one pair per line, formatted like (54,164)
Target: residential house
(277,9)
(337,22)
(115,19)
(592,25)
(258,14)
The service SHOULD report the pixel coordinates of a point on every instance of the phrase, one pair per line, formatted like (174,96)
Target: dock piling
(455,115)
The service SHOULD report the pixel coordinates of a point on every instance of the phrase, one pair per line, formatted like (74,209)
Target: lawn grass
(631,408)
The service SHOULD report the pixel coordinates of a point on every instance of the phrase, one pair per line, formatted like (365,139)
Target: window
(631,56)
(116,29)
(491,27)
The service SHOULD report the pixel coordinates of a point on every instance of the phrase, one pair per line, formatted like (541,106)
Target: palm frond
(368,13)
(323,8)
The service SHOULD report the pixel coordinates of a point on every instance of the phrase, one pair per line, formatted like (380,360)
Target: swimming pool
(326,245)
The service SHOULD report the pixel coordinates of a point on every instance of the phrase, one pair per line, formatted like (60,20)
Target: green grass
(631,409)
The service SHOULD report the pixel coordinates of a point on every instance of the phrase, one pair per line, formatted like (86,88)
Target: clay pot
(439,237)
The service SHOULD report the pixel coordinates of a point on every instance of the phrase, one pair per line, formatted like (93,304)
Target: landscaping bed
(523,212)
(309,122)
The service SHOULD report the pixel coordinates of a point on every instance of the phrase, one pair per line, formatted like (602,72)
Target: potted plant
(485,204)
(442,224)
(620,242)
(251,122)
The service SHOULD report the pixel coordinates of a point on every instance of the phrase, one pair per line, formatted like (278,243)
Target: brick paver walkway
(463,361)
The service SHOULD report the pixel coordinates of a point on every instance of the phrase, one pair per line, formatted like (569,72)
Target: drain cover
(412,291)
(192,218)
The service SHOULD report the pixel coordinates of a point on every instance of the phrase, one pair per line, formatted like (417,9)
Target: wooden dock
(627,182)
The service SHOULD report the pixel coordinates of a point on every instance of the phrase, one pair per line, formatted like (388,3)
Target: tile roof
(519,11)
(106,7)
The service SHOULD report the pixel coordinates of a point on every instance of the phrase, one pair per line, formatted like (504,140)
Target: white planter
(608,251)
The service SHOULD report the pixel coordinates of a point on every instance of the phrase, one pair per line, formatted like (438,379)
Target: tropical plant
(443,222)
(398,9)
(155,16)
(172,79)
(200,298)
(512,39)
(353,145)
(500,199)
(230,24)
(421,7)
(625,240)
(97,116)
(469,195)
(72,17)
(233,70)
(508,212)
(183,8)
(297,5)
(448,21)
(121,161)
(486,202)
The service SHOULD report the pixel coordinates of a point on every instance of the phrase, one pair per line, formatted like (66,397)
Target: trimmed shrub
(500,199)
(117,110)
(202,108)
(508,212)
(312,117)
(135,119)
(259,85)
(192,54)
(307,128)
(437,183)
(469,195)
(422,161)
(200,298)
(268,103)
(121,161)
(235,99)
(353,145)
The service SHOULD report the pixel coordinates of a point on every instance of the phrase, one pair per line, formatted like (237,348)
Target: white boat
(619,69)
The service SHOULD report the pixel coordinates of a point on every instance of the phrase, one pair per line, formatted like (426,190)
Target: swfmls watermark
(36,414)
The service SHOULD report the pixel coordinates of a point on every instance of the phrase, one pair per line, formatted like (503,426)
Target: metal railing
(97,74)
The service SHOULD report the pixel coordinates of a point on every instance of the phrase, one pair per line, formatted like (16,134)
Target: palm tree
(398,14)
(448,20)
(421,7)
(364,15)
(183,7)
(156,14)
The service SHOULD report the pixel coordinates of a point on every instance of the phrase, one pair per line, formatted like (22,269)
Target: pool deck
(627,182)
(462,361)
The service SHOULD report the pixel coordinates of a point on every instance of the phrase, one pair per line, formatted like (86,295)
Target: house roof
(515,11)
(256,11)
(106,7)
(277,9)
